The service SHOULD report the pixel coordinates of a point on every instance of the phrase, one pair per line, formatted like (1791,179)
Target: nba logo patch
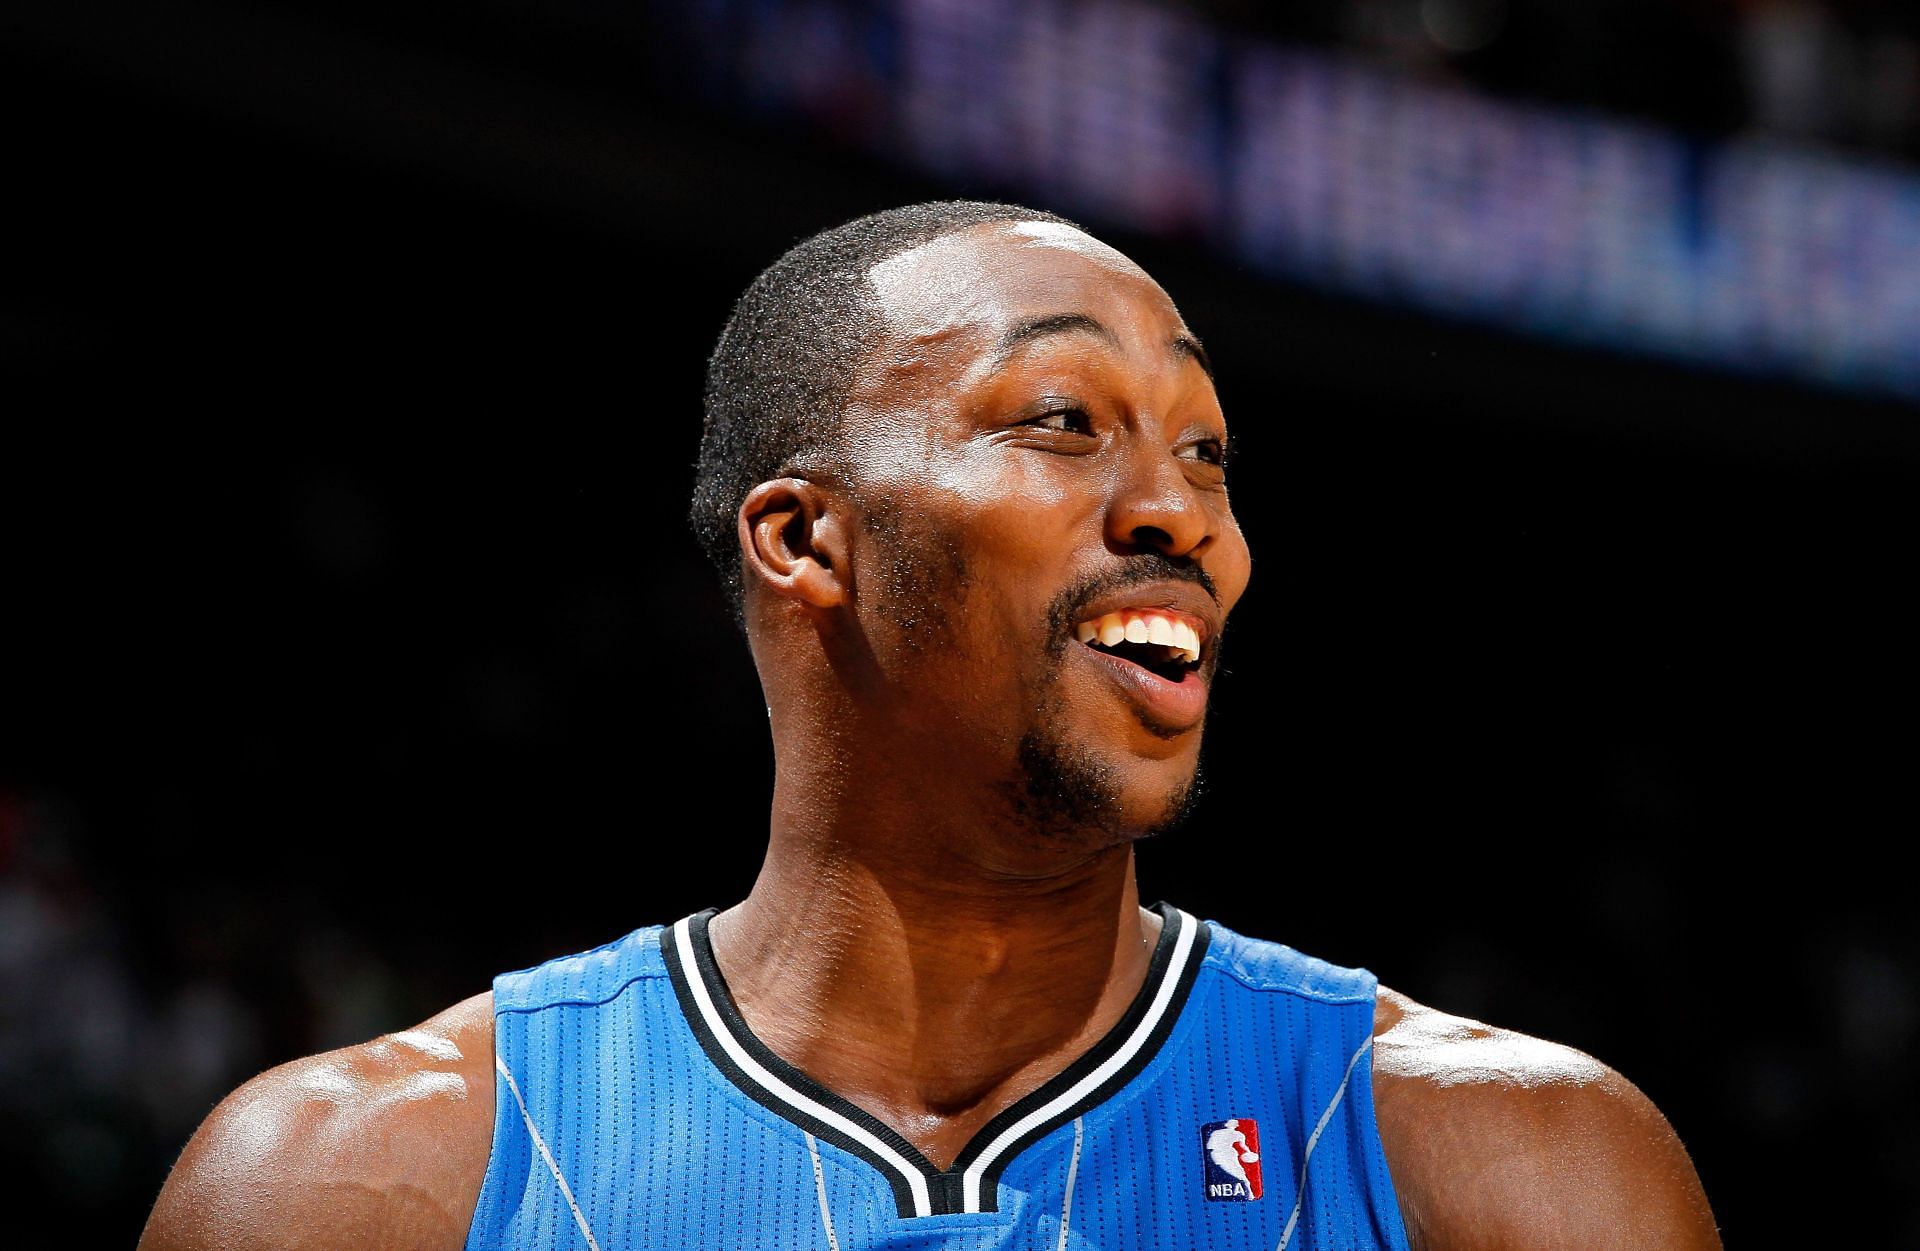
(1230,1153)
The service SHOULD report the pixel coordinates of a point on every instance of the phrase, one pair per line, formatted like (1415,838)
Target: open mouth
(1164,643)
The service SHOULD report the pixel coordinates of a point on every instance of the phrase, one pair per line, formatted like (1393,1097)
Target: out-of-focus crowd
(117,1034)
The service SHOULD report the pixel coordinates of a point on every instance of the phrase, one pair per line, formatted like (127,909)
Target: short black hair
(778,380)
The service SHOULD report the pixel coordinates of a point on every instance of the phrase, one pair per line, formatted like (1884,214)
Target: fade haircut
(778,381)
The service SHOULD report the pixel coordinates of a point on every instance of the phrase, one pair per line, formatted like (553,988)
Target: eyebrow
(1051,324)
(1182,344)
(1188,346)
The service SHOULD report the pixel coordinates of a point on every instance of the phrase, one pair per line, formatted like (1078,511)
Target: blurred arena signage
(1336,173)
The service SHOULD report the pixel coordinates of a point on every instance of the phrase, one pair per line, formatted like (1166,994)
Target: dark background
(357,650)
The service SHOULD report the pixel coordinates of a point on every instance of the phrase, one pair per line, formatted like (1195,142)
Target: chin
(1072,792)
(1167,810)
(1156,793)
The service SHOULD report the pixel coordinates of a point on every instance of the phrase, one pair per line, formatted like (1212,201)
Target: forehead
(963,290)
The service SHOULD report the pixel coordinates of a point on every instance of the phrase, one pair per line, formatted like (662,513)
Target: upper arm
(378,1146)
(1500,1142)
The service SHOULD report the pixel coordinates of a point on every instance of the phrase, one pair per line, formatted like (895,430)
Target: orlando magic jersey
(1231,1107)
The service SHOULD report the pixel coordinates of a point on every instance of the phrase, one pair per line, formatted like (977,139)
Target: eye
(1067,419)
(1209,451)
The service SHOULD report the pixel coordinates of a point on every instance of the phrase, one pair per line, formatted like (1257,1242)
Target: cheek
(1231,562)
(913,580)
(1026,540)
(993,532)
(1003,488)
(1023,505)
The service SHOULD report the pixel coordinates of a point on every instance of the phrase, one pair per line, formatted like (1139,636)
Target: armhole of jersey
(1385,1198)
(506,1120)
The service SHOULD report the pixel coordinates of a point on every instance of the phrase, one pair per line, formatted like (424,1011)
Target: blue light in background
(1332,172)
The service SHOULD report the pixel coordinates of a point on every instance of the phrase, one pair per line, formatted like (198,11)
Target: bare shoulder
(1500,1141)
(383,1145)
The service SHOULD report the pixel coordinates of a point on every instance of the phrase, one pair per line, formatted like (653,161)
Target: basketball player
(964,473)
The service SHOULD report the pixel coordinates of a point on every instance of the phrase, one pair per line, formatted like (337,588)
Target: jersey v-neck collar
(919,1188)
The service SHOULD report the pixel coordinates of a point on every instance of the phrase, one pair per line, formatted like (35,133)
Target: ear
(793,540)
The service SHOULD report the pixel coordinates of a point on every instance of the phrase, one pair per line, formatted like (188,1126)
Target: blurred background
(356,649)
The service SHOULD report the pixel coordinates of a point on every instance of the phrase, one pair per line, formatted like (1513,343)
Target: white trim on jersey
(717,1025)
(566,1191)
(820,1188)
(1163,995)
(1313,1140)
(1073,1171)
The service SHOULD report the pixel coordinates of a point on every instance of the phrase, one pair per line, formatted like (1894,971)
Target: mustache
(1138,571)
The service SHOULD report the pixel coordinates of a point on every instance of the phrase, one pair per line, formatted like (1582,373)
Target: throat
(939,1089)
(942,1137)
(934,1033)
(967,1048)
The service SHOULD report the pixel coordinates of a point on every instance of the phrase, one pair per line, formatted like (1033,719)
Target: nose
(1155,508)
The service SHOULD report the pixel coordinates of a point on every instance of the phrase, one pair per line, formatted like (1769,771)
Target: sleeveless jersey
(1230,1108)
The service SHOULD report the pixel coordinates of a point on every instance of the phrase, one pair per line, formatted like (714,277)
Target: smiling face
(1046,555)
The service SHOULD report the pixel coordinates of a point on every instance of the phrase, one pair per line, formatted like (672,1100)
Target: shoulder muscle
(1498,1141)
(382,1145)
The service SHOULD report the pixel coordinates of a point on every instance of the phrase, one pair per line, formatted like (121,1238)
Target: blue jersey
(1231,1107)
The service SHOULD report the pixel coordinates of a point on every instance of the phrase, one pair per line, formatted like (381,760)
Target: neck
(927,982)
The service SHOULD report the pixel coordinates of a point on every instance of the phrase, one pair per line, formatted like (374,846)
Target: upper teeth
(1137,626)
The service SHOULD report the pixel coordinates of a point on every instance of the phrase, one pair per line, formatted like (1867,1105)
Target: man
(964,472)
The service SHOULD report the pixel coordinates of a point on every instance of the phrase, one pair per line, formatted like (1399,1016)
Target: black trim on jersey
(1066,1078)
(702,952)
(944,1188)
